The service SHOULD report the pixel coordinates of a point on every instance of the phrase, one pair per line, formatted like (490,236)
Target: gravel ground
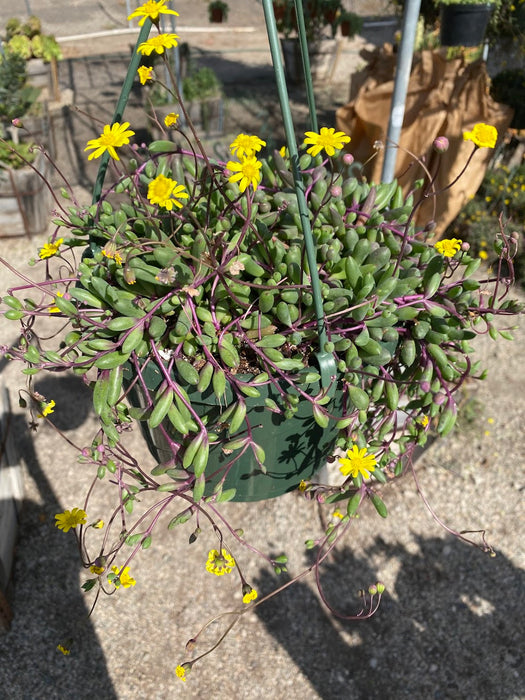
(450,625)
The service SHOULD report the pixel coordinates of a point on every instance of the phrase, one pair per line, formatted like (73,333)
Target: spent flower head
(145,74)
(220,563)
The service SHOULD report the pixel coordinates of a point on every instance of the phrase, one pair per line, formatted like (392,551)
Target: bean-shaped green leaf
(191,450)
(358,397)
(198,488)
(110,360)
(238,417)
(225,496)
(187,371)
(132,340)
(392,395)
(177,421)
(353,504)
(201,458)
(271,341)
(229,354)
(320,416)
(219,383)
(100,394)
(161,408)
(205,377)
(379,505)
(115,385)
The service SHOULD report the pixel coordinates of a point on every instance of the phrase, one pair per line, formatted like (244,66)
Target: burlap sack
(445,98)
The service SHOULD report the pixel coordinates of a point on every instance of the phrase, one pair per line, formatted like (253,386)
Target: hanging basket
(295,448)
(464,25)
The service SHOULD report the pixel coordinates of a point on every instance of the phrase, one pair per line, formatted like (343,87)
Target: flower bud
(431,226)
(465,246)
(440,144)
(425,387)
(17,122)
(440,398)
(380,587)
(336,191)
(348,159)
(372,589)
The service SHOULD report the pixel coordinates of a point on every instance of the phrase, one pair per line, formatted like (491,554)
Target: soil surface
(451,623)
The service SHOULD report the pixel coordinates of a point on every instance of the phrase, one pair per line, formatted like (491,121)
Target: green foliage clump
(502,194)
(16,97)
(16,155)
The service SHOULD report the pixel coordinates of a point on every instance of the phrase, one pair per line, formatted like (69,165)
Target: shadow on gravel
(48,605)
(454,629)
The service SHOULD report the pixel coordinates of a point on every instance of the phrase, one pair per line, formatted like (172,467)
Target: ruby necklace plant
(184,297)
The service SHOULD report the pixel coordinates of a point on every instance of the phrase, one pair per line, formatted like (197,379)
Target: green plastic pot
(295,448)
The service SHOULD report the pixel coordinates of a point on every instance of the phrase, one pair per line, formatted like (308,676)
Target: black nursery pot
(464,25)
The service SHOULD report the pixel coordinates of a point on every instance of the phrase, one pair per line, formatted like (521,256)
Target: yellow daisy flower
(357,461)
(219,564)
(158,43)
(124,578)
(329,140)
(151,9)
(171,119)
(70,519)
(50,249)
(166,192)
(112,137)
(448,247)
(482,135)
(246,173)
(246,145)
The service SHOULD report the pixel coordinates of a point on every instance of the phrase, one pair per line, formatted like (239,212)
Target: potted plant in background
(321,21)
(218,11)
(255,316)
(41,51)
(349,23)
(25,198)
(464,23)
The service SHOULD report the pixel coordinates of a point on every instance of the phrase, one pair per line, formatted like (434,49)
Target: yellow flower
(249,594)
(46,409)
(124,578)
(171,119)
(166,192)
(63,649)
(303,485)
(337,514)
(70,519)
(145,74)
(151,9)
(283,151)
(97,570)
(327,139)
(158,43)
(483,254)
(50,249)
(181,672)
(98,525)
(112,137)
(219,564)
(482,135)
(245,145)
(357,461)
(423,421)
(448,246)
(247,172)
